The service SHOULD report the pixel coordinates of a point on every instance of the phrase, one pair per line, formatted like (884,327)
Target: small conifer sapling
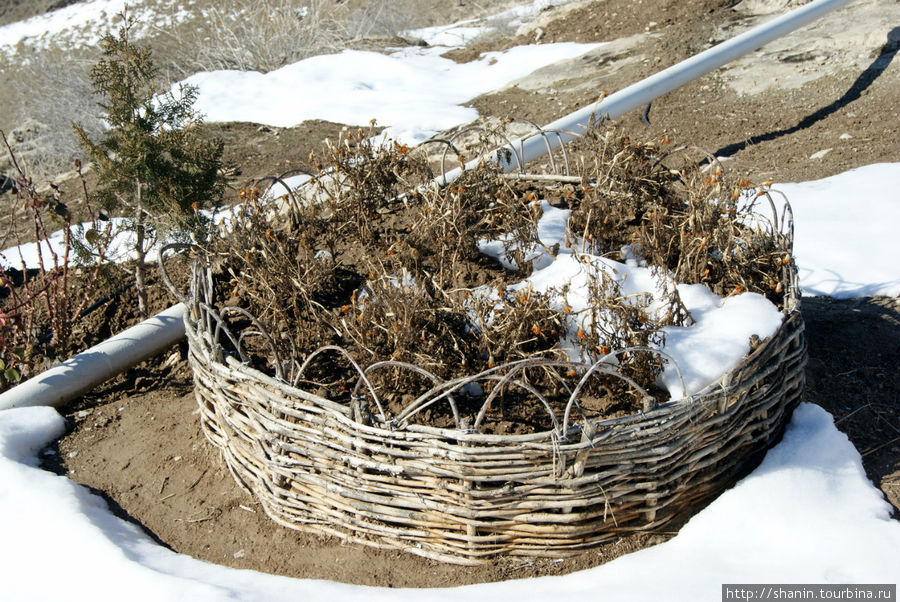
(152,163)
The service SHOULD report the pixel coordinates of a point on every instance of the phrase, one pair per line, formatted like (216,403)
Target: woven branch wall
(460,496)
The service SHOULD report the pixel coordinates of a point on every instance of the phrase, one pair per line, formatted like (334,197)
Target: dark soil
(854,350)
(769,136)
(137,438)
(250,149)
(611,19)
(110,309)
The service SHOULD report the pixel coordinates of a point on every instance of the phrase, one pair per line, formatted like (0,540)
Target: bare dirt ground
(19,10)
(833,86)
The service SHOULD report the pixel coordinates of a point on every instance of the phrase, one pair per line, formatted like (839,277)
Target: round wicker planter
(460,496)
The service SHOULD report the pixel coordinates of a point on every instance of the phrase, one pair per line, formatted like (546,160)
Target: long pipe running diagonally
(86,370)
(643,92)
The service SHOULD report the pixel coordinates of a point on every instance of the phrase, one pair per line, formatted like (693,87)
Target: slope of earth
(12,11)
(817,102)
(137,439)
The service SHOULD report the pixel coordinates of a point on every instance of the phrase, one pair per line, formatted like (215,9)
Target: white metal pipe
(640,93)
(84,371)
(88,369)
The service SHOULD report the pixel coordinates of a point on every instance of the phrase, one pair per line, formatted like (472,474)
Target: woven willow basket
(460,496)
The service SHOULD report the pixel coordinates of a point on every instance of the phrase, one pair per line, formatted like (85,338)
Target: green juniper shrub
(152,164)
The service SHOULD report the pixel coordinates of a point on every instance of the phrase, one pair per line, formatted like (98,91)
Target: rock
(7,184)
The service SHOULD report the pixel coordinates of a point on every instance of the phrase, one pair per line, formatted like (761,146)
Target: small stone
(239,554)
(83,413)
(754,341)
(820,154)
(845,136)
(72,454)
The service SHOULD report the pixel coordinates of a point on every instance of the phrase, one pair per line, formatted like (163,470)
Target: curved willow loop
(217,326)
(362,375)
(515,368)
(433,396)
(784,228)
(278,180)
(484,153)
(545,134)
(261,331)
(448,145)
(422,371)
(514,147)
(524,385)
(295,171)
(161,259)
(601,365)
(446,388)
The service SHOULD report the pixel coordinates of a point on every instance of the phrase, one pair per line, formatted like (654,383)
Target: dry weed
(376,258)
(678,209)
(41,305)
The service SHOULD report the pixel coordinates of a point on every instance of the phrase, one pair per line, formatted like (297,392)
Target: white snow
(51,25)
(84,23)
(808,514)
(846,232)
(415,92)
(719,338)
(120,249)
(457,34)
(703,351)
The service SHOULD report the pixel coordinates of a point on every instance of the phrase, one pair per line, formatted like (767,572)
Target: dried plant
(675,209)
(40,304)
(519,323)
(376,258)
